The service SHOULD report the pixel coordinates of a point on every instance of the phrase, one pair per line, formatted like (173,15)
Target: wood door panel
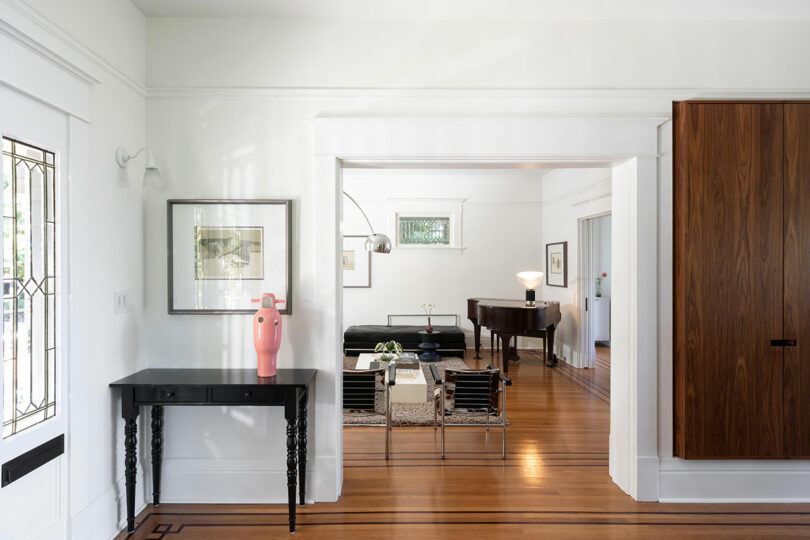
(797,279)
(728,280)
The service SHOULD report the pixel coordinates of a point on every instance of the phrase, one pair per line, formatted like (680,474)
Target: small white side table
(411,386)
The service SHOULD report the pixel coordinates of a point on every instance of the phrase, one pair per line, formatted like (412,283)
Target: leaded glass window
(424,231)
(29,276)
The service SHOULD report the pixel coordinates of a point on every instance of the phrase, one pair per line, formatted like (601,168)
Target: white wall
(99,43)
(568,196)
(368,53)
(501,236)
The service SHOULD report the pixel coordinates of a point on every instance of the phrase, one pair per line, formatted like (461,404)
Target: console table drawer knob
(248,394)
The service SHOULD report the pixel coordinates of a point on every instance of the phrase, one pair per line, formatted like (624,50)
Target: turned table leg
(130,414)
(302,447)
(157,451)
(291,414)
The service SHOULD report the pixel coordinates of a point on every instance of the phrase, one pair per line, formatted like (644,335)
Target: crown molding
(582,94)
(46,54)
(581,191)
(47,25)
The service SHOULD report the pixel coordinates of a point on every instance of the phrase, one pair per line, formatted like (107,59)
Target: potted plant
(389,350)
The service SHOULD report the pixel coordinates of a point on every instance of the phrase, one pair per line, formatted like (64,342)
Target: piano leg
(550,358)
(477,330)
(506,353)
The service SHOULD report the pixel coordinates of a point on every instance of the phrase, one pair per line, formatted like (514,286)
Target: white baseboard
(743,481)
(246,481)
(648,478)
(106,515)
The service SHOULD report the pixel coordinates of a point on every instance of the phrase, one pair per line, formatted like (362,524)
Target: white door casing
(630,143)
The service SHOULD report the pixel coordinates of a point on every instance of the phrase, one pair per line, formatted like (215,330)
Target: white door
(35,505)
(586,292)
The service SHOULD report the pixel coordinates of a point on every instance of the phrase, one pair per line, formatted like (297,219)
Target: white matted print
(356,262)
(229,253)
(557,264)
(223,253)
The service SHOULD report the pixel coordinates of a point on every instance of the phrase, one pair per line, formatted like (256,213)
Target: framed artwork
(224,252)
(557,264)
(356,262)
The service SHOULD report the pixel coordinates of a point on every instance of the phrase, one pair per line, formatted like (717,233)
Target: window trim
(429,207)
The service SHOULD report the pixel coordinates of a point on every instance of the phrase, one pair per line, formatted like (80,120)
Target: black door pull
(783,343)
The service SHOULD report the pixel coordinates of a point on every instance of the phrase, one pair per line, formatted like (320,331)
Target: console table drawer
(247,395)
(170,394)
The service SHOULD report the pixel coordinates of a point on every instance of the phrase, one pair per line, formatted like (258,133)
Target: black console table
(159,387)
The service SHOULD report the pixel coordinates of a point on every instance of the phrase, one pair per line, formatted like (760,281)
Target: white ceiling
(481,9)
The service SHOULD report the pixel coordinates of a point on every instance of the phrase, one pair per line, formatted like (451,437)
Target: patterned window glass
(29,276)
(424,231)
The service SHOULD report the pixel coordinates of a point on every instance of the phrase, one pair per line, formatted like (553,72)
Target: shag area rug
(416,414)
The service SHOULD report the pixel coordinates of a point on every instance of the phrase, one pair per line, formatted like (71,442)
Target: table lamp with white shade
(530,280)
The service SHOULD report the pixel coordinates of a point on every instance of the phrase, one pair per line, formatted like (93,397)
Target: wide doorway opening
(461,231)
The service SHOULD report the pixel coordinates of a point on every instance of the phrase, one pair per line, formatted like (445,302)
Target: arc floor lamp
(376,242)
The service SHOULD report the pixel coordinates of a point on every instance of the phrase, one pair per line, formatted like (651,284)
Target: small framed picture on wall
(356,263)
(557,264)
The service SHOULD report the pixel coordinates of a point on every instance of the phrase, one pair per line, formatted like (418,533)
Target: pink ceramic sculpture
(267,333)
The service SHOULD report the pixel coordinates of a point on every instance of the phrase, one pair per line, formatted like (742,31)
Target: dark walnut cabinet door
(728,289)
(797,280)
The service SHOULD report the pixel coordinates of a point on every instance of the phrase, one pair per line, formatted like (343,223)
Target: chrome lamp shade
(378,243)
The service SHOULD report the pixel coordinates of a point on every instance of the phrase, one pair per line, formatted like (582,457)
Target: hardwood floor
(595,380)
(554,484)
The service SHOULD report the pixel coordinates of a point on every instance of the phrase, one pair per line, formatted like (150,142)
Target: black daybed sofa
(363,338)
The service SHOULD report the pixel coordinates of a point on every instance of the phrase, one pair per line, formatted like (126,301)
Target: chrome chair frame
(504,382)
(392,377)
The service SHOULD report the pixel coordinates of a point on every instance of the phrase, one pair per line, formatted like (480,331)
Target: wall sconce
(151,176)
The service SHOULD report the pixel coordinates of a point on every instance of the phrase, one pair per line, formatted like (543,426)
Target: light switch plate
(121,302)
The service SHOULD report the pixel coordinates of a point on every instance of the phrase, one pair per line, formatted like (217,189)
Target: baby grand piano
(510,318)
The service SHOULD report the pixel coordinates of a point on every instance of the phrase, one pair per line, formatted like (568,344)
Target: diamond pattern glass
(424,231)
(29,277)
